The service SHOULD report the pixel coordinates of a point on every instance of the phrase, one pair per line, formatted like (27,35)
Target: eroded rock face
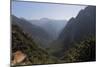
(18,57)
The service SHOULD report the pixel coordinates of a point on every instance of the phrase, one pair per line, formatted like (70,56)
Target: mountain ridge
(76,30)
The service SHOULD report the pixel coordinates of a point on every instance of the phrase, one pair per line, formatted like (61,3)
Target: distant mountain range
(56,41)
(43,31)
(53,27)
(40,36)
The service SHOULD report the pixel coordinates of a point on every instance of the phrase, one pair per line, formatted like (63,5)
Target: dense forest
(76,41)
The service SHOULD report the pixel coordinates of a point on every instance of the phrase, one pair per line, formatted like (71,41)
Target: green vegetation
(83,51)
(35,55)
(75,43)
(79,52)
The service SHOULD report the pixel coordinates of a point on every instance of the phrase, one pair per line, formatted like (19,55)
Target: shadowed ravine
(38,44)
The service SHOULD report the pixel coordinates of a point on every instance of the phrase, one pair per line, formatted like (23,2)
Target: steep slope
(77,29)
(40,36)
(81,52)
(81,27)
(25,51)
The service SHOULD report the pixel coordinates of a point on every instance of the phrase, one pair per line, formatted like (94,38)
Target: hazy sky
(33,10)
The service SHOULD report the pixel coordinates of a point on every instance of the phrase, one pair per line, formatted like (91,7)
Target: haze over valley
(53,35)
